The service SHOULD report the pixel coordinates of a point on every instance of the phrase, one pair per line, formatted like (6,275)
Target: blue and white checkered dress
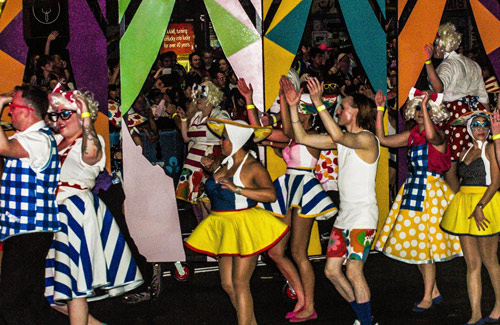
(27,198)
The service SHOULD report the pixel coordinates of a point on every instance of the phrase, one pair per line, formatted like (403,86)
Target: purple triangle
(12,39)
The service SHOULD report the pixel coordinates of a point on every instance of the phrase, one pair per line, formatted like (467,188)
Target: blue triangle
(288,32)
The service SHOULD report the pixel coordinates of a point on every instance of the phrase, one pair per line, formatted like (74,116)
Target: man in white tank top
(358,154)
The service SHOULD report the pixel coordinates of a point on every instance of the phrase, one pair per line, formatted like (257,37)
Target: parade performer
(473,213)
(201,142)
(461,82)
(411,232)
(301,198)
(236,230)
(28,209)
(355,226)
(89,259)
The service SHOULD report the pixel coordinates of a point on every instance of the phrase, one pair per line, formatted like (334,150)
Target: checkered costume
(27,198)
(411,232)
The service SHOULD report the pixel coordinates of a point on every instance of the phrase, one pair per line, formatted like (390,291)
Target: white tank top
(356,181)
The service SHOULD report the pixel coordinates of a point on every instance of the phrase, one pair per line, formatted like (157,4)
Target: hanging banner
(179,38)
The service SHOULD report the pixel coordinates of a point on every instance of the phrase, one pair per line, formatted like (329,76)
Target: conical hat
(217,126)
(462,120)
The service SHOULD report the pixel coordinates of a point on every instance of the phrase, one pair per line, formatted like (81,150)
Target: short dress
(299,188)
(89,257)
(203,143)
(235,226)
(411,232)
(475,178)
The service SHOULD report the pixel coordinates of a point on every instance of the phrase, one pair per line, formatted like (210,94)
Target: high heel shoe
(479,322)
(438,300)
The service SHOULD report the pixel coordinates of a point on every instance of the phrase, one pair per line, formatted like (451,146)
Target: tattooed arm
(91,146)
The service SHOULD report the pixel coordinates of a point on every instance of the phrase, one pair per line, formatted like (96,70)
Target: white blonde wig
(438,112)
(448,39)
(67,100)
(213,93)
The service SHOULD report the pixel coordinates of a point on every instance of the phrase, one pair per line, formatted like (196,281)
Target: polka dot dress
(415,236)
(458,138)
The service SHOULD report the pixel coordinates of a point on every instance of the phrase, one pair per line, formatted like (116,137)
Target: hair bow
(67,94)
(435,97)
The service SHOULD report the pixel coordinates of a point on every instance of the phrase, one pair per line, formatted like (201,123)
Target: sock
(354,306)
(365,312)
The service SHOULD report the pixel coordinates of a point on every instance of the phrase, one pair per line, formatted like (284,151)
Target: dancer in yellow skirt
(236,230)
(411,232)
(473,214)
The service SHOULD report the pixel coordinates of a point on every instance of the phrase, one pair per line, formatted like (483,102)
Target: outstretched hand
(429,51)
(495,122)
(245,90)
(380,98)
(291,95)
(315,88)
(53,35)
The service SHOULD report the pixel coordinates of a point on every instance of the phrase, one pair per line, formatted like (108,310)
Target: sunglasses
(223,137)
(201,90)
(476,125)
(65,115)
(331,85)
(13,106)
(418,107)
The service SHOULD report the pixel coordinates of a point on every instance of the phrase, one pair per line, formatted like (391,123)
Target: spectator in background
(208,61)
(316,68)
(224,66)
(44,72)
(176,66)
(196,64)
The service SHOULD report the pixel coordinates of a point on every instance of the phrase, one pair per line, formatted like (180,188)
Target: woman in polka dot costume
(411,232)
(471,214)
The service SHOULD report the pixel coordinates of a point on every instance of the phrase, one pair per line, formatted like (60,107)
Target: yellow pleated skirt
(456,218)
(237,233)
(415,237)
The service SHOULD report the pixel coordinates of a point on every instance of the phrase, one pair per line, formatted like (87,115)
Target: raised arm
(495,129)
(247,92)
(319,141)
(433,136)
(433,77)
(290,97)
(52,36)
(392,141)
(91,145)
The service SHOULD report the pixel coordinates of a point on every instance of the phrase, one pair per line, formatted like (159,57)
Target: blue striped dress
(89,257)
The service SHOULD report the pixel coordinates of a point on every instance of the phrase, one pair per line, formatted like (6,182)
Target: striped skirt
(300,189)
(89,256)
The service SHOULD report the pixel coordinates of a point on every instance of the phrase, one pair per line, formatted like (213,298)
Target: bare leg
(333,271)
(488,247)
(451,177)
(226,280)
(78,311)
(64,310)
(357,280)
(243,268)
(473,260)
(299,243)
(429,274)
(286,267)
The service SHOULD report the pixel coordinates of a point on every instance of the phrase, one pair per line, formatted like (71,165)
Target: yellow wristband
(275,121)
(496,136)
(173,115)
(428,62)
(321,108)
(184,119)
(85,114)
(251,106)
(381,108)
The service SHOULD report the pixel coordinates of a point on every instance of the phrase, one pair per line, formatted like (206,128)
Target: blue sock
(365,312)
(354,306)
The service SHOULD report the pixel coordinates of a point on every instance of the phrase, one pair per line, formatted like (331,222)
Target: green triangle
(233,35)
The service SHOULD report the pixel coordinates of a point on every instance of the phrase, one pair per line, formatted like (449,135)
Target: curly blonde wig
(61,99)
(213,93)
(448,39)
(438,112)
